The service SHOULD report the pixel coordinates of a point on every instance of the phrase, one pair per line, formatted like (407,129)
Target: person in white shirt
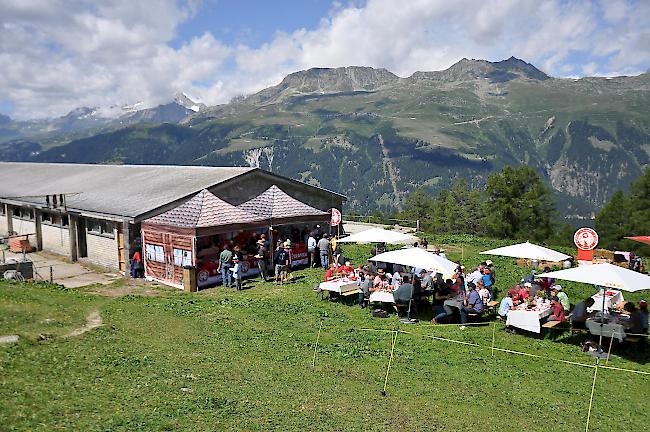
(475,276)
(396,280)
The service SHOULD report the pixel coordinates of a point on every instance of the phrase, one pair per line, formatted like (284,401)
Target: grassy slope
(223,360)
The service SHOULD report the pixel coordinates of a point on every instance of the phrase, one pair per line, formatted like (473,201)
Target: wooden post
(51,275)
(189,279)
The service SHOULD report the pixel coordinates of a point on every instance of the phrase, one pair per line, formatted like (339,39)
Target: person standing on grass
(324,248)
(260,257)
(236,272)
(473,304)
(487,283)
(281,263)
(311,250)
(225,263)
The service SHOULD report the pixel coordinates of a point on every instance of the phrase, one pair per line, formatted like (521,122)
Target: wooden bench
(349,293)
(551,324)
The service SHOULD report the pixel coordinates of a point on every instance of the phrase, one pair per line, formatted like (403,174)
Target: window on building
(65,221)
(101,227)
(3,209)
(47,218)
(182,257)
(154,253)
(23,213)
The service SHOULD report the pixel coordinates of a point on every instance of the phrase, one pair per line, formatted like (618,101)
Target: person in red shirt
(347,269)
(331,273)
(558,310)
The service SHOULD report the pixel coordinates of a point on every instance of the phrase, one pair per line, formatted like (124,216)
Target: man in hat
(260,258)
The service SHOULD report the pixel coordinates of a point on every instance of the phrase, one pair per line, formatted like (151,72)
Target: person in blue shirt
(473,304)
(487,282)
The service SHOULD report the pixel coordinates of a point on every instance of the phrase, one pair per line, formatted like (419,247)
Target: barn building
(93,213)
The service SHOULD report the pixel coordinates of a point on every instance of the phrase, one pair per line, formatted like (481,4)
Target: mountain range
(374,136)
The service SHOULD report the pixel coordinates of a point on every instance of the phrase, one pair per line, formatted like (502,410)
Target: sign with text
(585,239)
(336,217)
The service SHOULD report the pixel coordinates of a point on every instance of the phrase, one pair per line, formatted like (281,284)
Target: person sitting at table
(380,282)
(643,309)
(564,299)
(472,304)
(364,283)
(426,281)
(396,279)
(404,293)
(346,269)
(635,324)
(475,276)
(580,313)
(558,310)
(440,294)
(507,304)
(531,277)
(483,292)
(524,293)
(331,273)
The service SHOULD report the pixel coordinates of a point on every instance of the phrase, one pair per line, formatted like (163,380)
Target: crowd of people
(467,294)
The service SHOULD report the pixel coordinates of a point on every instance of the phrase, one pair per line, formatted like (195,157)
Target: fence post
(417,225)
(494,332)
(51,275)
(313,363)
(390,361)
(591,399)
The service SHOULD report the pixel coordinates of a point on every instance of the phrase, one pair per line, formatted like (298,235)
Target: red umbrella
(642,239)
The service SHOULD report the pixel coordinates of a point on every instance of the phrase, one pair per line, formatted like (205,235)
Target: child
(236,272)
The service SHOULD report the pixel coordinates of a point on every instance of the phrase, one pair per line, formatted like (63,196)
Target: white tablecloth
(528,319)
(610,300)
(338,286)
(382,296)
(610,329)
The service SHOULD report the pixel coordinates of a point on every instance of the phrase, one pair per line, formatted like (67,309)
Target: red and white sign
(586,239)
(336,217)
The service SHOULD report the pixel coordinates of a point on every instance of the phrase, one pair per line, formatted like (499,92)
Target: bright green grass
(223,360)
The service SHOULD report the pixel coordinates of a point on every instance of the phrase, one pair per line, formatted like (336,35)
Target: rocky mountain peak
(185,101)
(329,80)
(471,69)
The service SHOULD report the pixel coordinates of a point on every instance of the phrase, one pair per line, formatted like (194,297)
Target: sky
(57,55)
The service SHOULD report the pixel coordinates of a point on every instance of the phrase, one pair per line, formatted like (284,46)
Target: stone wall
(55,239)
(102,250)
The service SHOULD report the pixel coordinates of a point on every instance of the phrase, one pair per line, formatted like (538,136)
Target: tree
(626,215)
(418,206)
(613,221)
(519,205)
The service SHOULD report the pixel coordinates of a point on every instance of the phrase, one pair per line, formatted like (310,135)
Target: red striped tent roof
(276,204)
(202,211)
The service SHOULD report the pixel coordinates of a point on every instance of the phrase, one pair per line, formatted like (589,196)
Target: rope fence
(492,347)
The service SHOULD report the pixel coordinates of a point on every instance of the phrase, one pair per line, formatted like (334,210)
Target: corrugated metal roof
(274,203)
(120,190)
(202,211)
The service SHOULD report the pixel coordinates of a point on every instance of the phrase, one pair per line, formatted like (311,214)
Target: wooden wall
(167,271)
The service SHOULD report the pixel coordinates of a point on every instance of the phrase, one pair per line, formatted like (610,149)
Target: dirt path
(93,320)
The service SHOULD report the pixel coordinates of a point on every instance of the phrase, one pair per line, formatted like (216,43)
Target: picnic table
(613,327)
(529,318)
(342,286)
(382,296)
(612,298)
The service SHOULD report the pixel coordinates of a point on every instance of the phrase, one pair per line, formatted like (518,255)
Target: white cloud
(56,55)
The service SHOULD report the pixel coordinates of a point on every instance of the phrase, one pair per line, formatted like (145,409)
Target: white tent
(529,251)
(379,235)
(605,275)
(416,257)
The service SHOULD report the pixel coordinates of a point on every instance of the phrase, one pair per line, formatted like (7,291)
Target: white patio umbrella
(416,257)
(604,275)
(528,250)
(379,235)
